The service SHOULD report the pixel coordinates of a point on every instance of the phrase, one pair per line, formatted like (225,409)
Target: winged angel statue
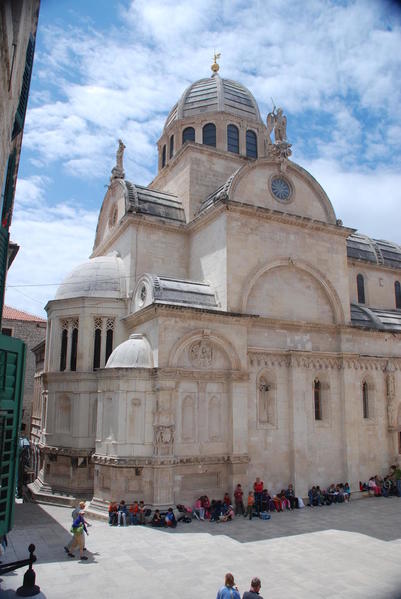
(278,121)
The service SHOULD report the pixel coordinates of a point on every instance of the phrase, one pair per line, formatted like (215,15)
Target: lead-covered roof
(215,94)
(375,251)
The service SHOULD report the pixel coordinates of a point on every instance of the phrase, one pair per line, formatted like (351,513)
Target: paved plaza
(344,550)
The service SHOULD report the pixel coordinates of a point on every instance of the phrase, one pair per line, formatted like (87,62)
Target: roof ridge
(10,313)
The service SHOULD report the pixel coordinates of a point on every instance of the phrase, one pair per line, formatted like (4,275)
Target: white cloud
(366,200)
(333,66)
(46,235)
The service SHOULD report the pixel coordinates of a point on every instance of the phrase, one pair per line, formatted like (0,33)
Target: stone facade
(241,344)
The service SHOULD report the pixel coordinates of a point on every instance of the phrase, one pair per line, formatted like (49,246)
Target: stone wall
(31,333)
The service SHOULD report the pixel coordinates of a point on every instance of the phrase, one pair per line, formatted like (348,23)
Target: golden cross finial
(215,67)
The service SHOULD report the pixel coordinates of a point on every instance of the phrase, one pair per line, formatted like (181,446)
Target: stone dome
(133,353)
(103,276)
(215,95)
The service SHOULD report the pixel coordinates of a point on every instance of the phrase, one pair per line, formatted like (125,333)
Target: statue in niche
(266,407)
(118,170)
(163,440)
(201,354)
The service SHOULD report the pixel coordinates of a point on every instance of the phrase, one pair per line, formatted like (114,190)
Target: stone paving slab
(352,550)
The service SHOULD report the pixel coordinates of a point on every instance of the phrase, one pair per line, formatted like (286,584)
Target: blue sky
(105,69)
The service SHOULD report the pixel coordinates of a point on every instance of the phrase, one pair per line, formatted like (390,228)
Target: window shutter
(26,81)
(9,190)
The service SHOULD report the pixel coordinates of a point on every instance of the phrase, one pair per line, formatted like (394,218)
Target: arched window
(317,399)
(74,348)
(251,144)
(188,134)
(397,291)
(209,135)
(171,153)
(97,342)
(109,344)
(164,156)
(360,284)
(233,139)
(365,399)
(63,353)
(96,349)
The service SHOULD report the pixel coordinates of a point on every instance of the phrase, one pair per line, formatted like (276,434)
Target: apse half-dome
(133,353)
(103,276)
(215,94)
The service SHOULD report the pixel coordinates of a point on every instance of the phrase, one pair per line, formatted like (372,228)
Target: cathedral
(226,326)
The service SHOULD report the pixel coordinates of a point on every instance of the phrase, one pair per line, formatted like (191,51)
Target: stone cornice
(373,266)
(259,358)
(140,462)
(66,451)
(69,376)
(287,218)
(136,219)
(215,375)
(158,310)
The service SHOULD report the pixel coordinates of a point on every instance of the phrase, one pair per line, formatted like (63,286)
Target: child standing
(251,502)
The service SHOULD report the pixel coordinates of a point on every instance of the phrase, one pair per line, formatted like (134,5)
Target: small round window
(281,189)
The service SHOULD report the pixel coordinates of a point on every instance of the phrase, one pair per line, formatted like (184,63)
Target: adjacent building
(31,330)
(18,24)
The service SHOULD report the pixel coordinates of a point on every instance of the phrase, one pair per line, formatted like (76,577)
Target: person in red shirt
(258,490)
(133,513)
(239,504)
(226,499)
(113,514)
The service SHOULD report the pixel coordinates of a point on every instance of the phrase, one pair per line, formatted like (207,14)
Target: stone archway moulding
(301,265)
(221,342)
(299,170)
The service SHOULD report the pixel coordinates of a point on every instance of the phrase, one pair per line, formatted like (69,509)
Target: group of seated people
(380,487)
(259,500)
(121,514)
(339,493)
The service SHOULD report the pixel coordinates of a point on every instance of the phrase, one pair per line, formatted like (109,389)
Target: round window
(281,189)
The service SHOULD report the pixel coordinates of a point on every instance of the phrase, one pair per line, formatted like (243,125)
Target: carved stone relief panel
(201,354)
(163,440)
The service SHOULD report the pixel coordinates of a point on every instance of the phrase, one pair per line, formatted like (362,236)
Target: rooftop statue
(276,121)
(118,171)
